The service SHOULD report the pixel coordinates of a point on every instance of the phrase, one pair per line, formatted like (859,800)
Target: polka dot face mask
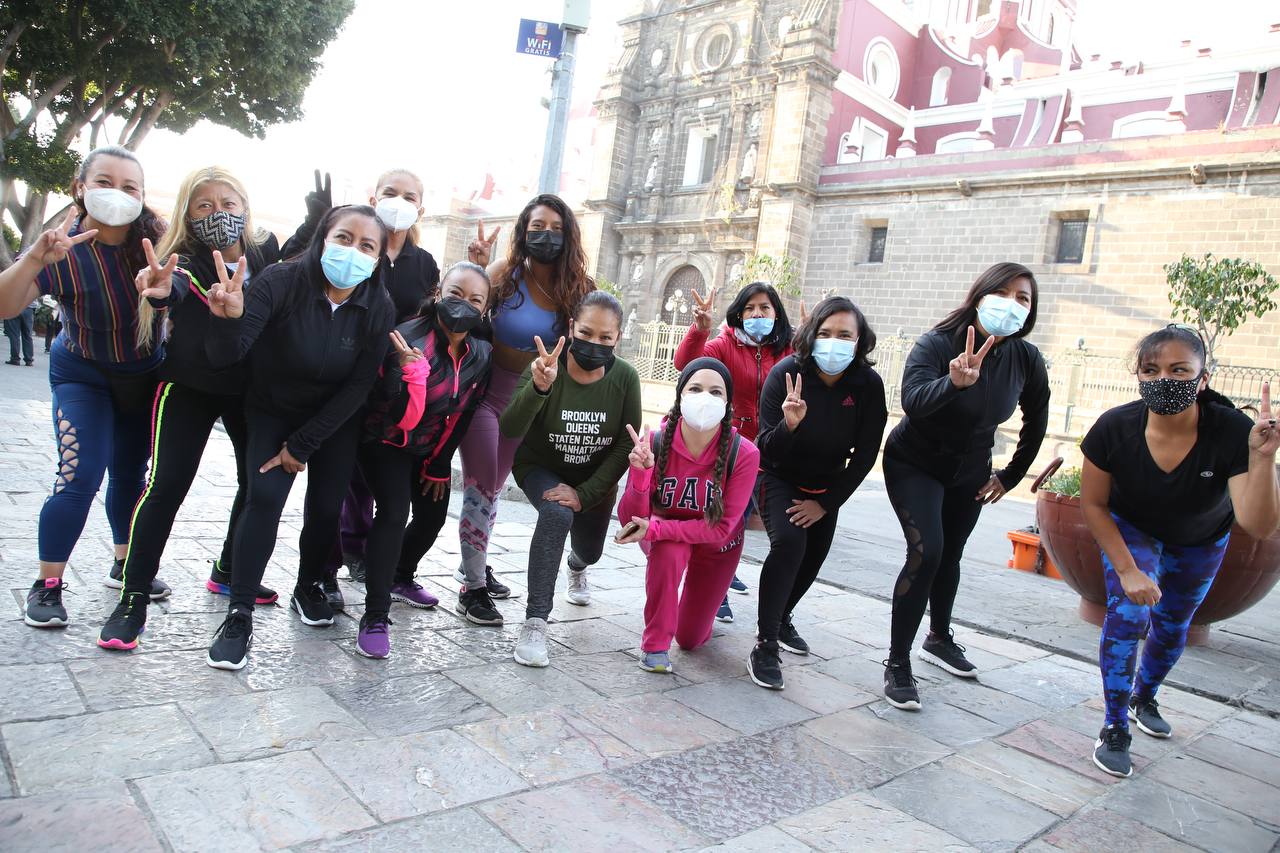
(1168,396)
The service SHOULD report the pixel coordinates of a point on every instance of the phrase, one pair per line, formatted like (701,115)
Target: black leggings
(328,472)
(391,550)
(795,553)
(180,429)
(936,520)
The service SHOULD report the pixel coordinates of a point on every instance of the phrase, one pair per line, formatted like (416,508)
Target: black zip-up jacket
(427,415)
(835,446)
(409,279)
(308,364)
(185,361)
(948,432)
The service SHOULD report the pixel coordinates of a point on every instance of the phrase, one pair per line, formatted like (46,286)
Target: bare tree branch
(158,106)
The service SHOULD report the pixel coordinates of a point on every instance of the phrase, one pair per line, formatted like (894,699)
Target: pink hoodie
(683,494)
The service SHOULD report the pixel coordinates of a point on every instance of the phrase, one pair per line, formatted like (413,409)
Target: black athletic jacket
(426,409)
(308,364)
(948,432)
(185,361)
(409,279)
(835,446)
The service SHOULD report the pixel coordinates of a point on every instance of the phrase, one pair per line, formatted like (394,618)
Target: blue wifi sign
(539,38)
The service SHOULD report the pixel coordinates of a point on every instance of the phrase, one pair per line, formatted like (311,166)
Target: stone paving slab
(448,744)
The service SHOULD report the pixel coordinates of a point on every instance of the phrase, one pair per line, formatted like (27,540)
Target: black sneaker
(1146,713)
(477,606)
(125,623)
(763,665)
(946,653)
(332,593)
(311,604)
(219,583)
(790,640)
(44,604)
(1111,751)
(115,580)
(496,588)
(900,686)
(355,568)
(230,649)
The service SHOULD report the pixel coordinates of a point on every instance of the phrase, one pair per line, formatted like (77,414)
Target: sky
(439,89)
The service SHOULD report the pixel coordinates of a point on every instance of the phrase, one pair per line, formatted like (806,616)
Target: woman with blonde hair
(212,227)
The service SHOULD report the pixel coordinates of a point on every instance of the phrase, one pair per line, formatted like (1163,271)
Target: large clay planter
(1249,571)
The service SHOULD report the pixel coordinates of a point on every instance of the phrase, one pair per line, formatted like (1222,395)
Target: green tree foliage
(1217,295)
(100,72)
(779,271)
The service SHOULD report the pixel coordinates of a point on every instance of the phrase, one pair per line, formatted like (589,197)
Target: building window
(938,94)
(880,68)
(700,158)
(1071,234)
(879,235)
(714,47)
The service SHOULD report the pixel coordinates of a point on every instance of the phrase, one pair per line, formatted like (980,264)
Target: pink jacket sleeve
(415,380)
(636,497)
(737,494)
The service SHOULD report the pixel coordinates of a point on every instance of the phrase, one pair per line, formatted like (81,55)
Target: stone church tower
(708,147)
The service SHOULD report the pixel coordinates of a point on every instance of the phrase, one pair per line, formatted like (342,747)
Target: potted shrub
(1249,570)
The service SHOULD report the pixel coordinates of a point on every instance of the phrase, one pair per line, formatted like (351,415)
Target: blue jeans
(19,330)
(1184,574)
(94,435)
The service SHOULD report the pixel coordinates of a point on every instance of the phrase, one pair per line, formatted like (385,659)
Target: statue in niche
(749,165)
(735,272)
(637,270)
(655,136)
(753,123)
(651,177)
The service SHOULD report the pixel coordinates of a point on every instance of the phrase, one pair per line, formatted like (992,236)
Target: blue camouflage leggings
(1184,574)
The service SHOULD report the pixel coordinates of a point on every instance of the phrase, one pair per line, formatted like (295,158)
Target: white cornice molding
(895,11)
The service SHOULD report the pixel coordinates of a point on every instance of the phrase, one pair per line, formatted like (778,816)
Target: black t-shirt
(1187,506)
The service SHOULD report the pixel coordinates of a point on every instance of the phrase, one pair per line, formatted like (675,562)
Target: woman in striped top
(102,376)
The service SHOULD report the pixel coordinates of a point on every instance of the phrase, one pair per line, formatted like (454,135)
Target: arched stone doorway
(676,306)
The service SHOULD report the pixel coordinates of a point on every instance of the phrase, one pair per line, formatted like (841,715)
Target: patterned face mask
(1168,396)
(218,230)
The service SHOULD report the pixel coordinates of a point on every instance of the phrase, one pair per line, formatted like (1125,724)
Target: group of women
(348,354)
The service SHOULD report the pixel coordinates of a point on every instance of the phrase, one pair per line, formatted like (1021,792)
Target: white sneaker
(579,593)
(531,647)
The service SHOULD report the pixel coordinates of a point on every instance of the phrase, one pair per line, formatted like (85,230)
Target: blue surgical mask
(1001,316)
(344,266)
(833,355)
(758,327)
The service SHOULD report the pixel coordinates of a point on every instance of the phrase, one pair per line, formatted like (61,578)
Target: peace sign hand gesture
(321,199)
(226,297)
(53,245)
(408,355)
(154,281)
(546,365)
(966,367)
(702,317)
(480,249)
(1264,438)
(641,456)
(794,408)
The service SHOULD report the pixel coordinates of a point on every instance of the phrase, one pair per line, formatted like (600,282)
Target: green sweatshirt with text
(577,432)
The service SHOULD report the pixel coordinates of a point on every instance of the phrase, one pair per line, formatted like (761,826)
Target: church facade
(894,149)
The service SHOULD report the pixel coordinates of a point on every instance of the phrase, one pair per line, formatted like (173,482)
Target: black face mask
(457,315)
(544,246)
(589,355)
(1168,396)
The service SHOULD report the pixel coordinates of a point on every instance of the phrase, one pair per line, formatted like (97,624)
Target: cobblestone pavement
(449,745)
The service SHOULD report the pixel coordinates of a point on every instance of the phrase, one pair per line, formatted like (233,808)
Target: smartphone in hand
(627,529)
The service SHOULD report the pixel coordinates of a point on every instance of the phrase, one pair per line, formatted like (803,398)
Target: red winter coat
(748,365)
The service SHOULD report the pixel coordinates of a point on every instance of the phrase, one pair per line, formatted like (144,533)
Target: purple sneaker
(374,641)
(414,595)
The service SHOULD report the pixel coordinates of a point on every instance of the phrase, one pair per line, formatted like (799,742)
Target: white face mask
(112,207)
(397,214)
(702,410)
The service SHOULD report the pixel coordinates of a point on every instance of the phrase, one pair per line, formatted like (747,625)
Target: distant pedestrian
(19,330)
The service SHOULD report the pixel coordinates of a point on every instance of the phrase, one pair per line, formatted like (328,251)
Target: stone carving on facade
(655,136)
(753,123)
(637,270)
(735,272)
(651,177)
(748,173)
